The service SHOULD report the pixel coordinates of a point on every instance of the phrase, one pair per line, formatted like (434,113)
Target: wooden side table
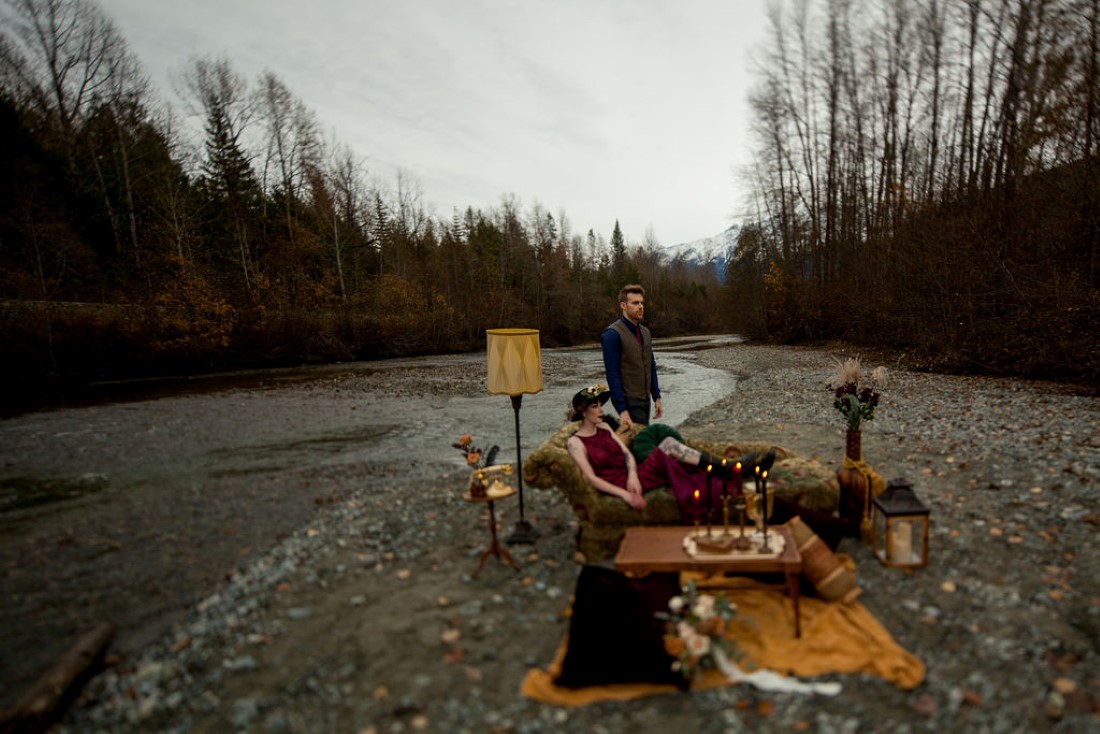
(495,548)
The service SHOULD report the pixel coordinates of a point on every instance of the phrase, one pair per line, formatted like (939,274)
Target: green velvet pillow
(649,438)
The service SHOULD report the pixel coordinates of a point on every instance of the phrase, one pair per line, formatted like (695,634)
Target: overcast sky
(633,110)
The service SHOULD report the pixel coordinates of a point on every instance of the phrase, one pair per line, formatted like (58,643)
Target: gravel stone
(273,530)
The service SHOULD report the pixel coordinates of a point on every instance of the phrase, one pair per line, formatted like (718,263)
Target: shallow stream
(263,422)
(133,507)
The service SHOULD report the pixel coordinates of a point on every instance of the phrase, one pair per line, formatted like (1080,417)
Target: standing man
(628,361)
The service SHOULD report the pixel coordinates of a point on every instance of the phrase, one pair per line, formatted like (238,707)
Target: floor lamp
(515,368)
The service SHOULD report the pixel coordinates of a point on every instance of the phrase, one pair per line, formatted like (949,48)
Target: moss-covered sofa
(603,519)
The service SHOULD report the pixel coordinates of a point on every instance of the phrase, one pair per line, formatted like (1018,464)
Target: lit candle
(710,495)
(901,542)
(764,507)
(725,482)
(710,476)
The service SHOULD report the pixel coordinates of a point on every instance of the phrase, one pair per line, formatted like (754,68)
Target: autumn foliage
(127,250)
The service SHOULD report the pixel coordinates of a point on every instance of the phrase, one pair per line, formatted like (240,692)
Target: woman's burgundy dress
(606,456)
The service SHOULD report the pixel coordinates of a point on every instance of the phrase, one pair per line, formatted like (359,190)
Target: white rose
(704,607)
(698,645)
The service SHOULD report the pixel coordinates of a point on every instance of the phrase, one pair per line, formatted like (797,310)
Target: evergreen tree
(618,256)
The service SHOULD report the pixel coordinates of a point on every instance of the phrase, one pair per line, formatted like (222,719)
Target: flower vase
(854,495)
(853,444)
(853,451)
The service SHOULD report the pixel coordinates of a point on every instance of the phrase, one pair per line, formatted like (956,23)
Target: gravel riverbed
(335,596)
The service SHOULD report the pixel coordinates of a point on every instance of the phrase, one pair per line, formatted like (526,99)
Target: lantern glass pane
(879,534)
(901,542)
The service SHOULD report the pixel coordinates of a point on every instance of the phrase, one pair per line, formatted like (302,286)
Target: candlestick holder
(713,543)
(742,543)
(725,516)
(762,466)
(766,548)
(759,509)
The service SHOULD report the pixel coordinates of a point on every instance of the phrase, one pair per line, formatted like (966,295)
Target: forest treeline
(134,244)
(926,179)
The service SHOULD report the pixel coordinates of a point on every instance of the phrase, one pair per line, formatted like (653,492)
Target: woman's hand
(631,494)
(635,500)
(634,496)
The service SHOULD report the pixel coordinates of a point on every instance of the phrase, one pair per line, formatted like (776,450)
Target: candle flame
(696,495)
(709,467)
(764,474)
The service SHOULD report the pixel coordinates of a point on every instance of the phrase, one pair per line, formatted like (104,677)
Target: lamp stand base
(524,534)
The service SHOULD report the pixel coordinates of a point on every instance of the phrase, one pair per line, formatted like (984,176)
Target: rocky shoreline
(365,619)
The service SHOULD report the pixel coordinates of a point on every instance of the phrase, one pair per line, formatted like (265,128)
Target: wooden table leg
(792,588)
(495,548)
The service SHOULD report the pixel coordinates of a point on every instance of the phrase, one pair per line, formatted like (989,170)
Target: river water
(266,421)
(132,506)
(686,387)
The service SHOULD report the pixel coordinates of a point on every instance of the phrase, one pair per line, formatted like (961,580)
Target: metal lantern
(900,526)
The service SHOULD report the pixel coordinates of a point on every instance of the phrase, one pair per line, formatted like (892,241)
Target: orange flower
(715,627)
(473,457)
(465,439)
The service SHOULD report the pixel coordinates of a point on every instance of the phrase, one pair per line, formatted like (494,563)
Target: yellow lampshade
(515,361)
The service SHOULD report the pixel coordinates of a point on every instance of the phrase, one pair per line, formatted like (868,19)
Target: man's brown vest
(637,358)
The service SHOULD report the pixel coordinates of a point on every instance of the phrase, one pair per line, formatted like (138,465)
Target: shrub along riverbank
(53,352)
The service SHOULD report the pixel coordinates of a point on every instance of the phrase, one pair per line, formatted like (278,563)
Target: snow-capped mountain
(716,249)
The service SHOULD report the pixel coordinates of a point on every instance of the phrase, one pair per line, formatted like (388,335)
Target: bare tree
(121,108)
(70,66)
(932,27)
(61,54)
(293,145)
(349,195)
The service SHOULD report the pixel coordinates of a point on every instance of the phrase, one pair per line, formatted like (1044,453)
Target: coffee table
(660,549)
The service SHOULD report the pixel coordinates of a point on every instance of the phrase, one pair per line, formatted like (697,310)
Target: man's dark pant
(639,410)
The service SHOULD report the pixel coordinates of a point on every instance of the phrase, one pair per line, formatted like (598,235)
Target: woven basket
(833,581)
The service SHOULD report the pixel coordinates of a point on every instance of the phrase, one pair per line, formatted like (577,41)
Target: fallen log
(46,699)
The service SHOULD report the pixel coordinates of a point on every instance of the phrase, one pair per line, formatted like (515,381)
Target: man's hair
(628,289)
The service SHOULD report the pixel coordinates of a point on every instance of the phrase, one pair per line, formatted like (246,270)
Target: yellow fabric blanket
(836,638)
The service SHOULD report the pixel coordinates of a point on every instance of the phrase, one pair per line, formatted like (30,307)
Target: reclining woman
(609,466)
